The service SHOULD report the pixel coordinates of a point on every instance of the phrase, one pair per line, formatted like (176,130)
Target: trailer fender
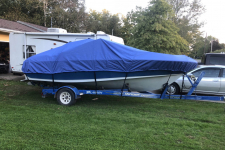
(74,89)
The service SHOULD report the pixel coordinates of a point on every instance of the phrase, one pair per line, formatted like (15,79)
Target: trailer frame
(125,93)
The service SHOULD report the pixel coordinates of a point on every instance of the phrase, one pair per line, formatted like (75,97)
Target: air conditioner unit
(100,32)
(56,30)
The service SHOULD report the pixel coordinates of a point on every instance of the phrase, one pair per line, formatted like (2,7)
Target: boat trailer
(67,95)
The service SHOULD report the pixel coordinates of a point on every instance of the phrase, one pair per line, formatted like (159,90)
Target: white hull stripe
(104,79)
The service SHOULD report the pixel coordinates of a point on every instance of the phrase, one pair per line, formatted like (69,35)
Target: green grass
(29,122)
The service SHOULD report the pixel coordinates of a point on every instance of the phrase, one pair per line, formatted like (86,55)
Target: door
(210,83)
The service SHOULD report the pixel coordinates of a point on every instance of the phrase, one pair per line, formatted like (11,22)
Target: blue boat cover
(103,55)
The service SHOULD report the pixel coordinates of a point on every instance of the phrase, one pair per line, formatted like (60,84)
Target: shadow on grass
(201,120)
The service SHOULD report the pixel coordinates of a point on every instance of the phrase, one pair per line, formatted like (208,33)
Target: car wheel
(173,89)
(66,97)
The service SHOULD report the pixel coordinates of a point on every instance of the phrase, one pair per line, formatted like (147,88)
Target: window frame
(33,47)
(222,71)
(219,75)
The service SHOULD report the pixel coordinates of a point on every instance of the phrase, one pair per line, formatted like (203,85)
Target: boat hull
(137,81)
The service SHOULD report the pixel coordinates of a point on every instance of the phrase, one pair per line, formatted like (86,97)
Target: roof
(7,26)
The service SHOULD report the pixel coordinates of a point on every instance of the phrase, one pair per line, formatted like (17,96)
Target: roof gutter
(8,30)
(25,45)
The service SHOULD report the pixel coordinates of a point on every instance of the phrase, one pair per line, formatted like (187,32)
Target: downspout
(25,46)
(25,53)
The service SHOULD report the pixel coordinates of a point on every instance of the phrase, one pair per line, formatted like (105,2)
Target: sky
(214,16)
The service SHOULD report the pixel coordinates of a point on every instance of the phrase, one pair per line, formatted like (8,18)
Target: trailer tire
(66,97)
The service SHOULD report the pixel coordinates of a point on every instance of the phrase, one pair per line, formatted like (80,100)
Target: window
(209,72)
(30,51)
(217,60)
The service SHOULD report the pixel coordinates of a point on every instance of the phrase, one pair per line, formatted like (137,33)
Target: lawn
(29,122)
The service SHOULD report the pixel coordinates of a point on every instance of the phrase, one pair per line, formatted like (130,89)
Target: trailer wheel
(66,97)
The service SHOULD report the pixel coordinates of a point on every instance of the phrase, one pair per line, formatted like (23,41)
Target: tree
(94,21)
(68,14)
(203,45)
(125,30)
(198,48)
(155,31)
(45,9)
(23,10)
(186,17)
(104,21)
(220,51)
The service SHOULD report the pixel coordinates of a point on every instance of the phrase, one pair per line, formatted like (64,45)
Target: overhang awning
(4,34)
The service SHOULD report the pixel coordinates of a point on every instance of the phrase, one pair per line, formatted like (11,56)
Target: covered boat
(105,64)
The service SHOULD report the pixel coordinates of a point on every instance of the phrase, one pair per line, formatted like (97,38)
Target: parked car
(213,82)
(213,59)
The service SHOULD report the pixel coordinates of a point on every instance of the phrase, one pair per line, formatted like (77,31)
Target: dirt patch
(10,76)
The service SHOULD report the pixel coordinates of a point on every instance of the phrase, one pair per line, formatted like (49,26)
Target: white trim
(9,30)
(122,78)
(52,33)
(65,81)
(92,80)
(25,46)
(5,41)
